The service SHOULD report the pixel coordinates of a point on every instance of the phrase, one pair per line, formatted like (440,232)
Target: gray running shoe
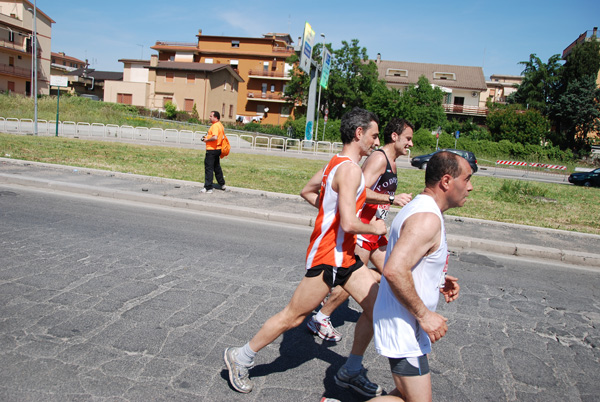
(324,330)
(360,383)
(238,374)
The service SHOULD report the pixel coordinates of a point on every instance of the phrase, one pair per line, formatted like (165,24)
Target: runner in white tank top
(397,333)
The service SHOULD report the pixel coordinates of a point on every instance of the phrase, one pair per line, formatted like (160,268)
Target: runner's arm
(345,183)
(373,168)
(311,190)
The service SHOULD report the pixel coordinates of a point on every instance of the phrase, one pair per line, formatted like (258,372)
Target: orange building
(260,62)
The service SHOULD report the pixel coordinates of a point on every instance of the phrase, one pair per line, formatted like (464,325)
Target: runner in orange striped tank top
(338,192)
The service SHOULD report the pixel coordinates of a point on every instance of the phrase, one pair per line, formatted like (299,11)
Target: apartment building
(499,87)
(16,46)
(61,61)
(259,62)
(153,83)
(463,85)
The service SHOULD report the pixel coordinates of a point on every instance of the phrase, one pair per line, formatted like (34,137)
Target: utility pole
(319,98)
(35,72)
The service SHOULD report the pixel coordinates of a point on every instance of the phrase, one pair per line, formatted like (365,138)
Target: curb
(454,241)
(167,201)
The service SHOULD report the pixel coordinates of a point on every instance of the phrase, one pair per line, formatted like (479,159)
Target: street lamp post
(35,73)
(319,98)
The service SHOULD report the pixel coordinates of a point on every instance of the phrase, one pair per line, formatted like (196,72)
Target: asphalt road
(111,300)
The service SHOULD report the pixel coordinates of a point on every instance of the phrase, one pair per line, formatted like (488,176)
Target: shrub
(170,110)
(516,191)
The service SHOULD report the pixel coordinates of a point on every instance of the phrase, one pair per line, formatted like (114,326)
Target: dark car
(421,160)
(587,179)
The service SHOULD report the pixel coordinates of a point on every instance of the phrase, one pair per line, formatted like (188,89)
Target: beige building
(260,62)
(152,84)
(16,61)
(463,85)
(499,87)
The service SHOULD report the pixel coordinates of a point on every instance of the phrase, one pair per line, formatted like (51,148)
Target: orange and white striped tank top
(329,244)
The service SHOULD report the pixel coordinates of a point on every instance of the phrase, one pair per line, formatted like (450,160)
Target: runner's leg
(307,296)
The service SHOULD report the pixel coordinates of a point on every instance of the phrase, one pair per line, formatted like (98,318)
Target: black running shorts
(334,276)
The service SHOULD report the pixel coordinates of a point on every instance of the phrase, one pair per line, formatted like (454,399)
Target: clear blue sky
(495,35)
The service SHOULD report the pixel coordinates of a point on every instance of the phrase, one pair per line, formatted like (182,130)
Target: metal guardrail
(158,135)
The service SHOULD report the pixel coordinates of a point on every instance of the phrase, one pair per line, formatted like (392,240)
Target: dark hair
(441,164)
(397,126)
(354,119)
(216,114)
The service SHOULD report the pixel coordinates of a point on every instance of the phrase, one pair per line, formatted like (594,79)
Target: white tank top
(397,333)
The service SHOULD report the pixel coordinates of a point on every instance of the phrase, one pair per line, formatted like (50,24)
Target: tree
(384,102)
(518,126)
(583,60)
(577,113)
(540,83)
(422,105)
(352,79)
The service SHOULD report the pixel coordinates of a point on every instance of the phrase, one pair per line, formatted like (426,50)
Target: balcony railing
(267,96)
(269,74)
(462,109)
(16,71)
(287,49)
(14,46)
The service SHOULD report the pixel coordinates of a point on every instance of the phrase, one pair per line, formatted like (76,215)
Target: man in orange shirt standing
(212,160)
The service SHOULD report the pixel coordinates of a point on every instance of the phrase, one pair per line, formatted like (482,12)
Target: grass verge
(549,205)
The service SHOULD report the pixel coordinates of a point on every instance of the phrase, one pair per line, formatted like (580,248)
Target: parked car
(587,179)
(421,160)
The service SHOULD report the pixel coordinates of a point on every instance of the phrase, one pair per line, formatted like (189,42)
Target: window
(169,76)
(188,105)
(191,78)
(11,86)
(396,72)
(223,110)
(264,90)
(167,99)
(208,60)
(444,76)
(266,66)
(285,110)
(260,109)
(11,36)
(126,99)
(230,110)
(272,88)
(234,64)
(235,43)
(11,61)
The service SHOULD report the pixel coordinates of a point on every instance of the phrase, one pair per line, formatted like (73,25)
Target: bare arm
(345,183)
(420,236)
(373,168)
(311,190)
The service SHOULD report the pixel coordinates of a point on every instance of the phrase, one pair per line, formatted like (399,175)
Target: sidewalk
(463,233)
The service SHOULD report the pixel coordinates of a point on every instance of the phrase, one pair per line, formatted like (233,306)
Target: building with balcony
(16,46)
(61,63)
(499,87)
(463,85)
(260,62)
